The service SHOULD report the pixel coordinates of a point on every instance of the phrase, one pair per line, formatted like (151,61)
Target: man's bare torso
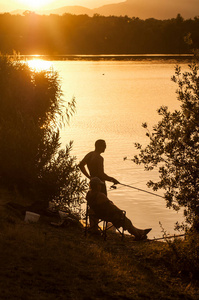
(95,164)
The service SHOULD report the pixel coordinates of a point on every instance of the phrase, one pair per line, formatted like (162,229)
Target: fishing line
(112,187)
(138,189)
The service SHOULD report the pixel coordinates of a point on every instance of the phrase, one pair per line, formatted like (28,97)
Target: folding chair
(105,225)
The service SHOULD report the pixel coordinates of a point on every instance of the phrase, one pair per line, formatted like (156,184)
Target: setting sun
(32,4)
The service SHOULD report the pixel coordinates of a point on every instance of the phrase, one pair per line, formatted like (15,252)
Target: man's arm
(111,179)
(103,175)
(82,165)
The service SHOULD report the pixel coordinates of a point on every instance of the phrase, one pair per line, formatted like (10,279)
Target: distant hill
(157,9)
(16,12)
(143,9)
(75,10)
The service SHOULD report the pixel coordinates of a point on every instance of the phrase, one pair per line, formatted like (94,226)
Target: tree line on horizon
(80,34)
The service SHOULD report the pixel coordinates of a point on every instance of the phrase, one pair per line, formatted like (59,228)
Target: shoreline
(112,57)
(45,262)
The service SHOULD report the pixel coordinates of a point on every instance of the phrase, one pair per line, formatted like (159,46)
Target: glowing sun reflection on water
(38,64)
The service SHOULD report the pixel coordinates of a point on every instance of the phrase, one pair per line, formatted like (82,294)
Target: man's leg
(138,233)
(93,220)
(120,220)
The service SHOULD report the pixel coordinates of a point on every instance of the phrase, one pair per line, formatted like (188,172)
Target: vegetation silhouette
(173,147)
(32,110)
(81,34)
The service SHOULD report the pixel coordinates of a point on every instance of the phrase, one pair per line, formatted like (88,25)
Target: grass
(40,261)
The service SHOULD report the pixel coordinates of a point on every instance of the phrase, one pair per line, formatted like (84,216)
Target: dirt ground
(41,261)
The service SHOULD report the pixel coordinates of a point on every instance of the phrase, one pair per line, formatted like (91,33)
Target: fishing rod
(135,188)
(165,238)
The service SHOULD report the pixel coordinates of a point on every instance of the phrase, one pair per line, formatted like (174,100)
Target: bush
(174,147)
(182,256)
(32,110)
(61,183)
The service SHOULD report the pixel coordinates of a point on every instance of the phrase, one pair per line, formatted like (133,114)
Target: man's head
(100,146)
(96,184)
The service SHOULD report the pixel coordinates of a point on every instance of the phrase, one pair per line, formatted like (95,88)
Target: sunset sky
(10,5)
(163,9)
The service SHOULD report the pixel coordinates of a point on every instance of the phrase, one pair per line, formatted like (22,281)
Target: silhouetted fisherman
(95,165)
(104,209)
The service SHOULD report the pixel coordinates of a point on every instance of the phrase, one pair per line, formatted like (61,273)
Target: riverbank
(167,58)
(41,261)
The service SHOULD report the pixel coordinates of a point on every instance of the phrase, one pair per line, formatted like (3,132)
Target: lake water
(114,97)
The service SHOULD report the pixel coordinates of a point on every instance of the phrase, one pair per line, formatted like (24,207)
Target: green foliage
(174,147)
(31,113)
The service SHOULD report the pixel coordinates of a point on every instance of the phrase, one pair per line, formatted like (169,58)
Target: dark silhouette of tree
(81,34)
(32,110)
(174,147)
